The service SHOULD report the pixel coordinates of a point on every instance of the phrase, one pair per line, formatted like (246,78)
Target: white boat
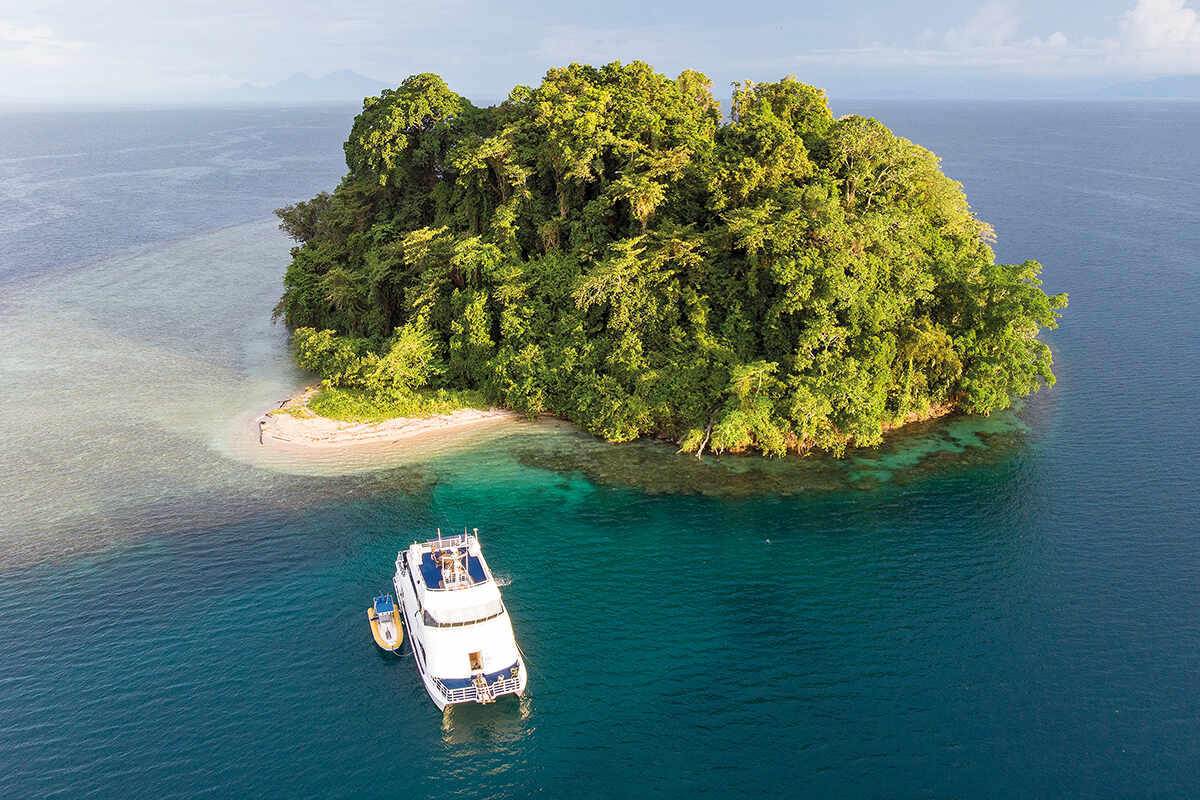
(461,635)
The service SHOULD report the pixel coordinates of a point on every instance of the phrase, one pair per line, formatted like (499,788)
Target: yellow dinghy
(385,623)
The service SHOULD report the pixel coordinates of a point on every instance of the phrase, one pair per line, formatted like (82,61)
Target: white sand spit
(295,425)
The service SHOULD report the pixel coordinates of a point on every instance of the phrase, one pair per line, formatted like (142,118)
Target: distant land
(350,87)
(347,86)
(1173,87)
(336,87)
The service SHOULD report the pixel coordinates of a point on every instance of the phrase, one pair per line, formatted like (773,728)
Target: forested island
(609,248)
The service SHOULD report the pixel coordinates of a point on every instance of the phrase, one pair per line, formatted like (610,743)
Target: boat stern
(480,688)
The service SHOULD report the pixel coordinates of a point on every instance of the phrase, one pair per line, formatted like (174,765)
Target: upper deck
(452,582)
(449,563)
(433,574)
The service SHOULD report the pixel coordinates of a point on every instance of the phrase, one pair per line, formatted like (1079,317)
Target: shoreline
(936,411)
(293,425)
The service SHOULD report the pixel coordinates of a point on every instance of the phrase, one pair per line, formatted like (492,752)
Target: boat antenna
(476,535)
(439,538)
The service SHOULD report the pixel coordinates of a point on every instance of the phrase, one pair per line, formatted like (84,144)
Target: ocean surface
(980,608)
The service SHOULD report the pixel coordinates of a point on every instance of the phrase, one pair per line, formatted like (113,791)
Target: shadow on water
(497,725)
(120,423)
(918,452)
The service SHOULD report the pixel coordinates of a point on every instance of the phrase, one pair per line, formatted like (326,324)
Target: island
(611,248)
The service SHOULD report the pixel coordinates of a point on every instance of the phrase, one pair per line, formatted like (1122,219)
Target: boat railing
(455,540)
(508,685)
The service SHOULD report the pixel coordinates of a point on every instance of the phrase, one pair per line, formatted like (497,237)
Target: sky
(114,50)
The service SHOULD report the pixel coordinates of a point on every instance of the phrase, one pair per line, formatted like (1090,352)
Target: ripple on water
(134,384)
(1023,623)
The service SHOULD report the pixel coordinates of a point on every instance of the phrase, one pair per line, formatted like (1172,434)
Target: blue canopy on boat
(383,604)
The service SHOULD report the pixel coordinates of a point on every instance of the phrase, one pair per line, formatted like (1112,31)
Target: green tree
(603,246)
(409,362)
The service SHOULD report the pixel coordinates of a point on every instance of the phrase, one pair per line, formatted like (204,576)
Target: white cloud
(138,49)
(1160,23)
(1154,37)
(34,45)
(1160,36)
(990,26)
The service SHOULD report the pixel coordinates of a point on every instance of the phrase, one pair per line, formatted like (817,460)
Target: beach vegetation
(358,405)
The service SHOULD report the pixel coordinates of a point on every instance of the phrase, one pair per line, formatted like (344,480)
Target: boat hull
(433,687)
(386,629)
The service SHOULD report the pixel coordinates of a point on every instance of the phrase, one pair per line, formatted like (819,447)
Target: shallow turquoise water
(982,608)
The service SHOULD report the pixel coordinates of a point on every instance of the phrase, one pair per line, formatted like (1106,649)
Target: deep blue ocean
(1006,607)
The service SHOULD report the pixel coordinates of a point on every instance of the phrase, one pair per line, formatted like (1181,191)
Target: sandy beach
(293,424)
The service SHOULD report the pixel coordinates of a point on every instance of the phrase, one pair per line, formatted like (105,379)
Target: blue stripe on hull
(492,677)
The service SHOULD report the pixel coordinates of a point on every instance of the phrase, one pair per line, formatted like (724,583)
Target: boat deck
(432,574)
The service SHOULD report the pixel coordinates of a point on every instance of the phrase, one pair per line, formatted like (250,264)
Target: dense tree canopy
(609,248)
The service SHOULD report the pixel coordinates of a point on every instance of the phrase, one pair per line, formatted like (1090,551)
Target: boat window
(467,616)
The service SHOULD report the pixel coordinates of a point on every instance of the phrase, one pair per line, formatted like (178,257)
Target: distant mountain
(1173,87)
(343,86)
